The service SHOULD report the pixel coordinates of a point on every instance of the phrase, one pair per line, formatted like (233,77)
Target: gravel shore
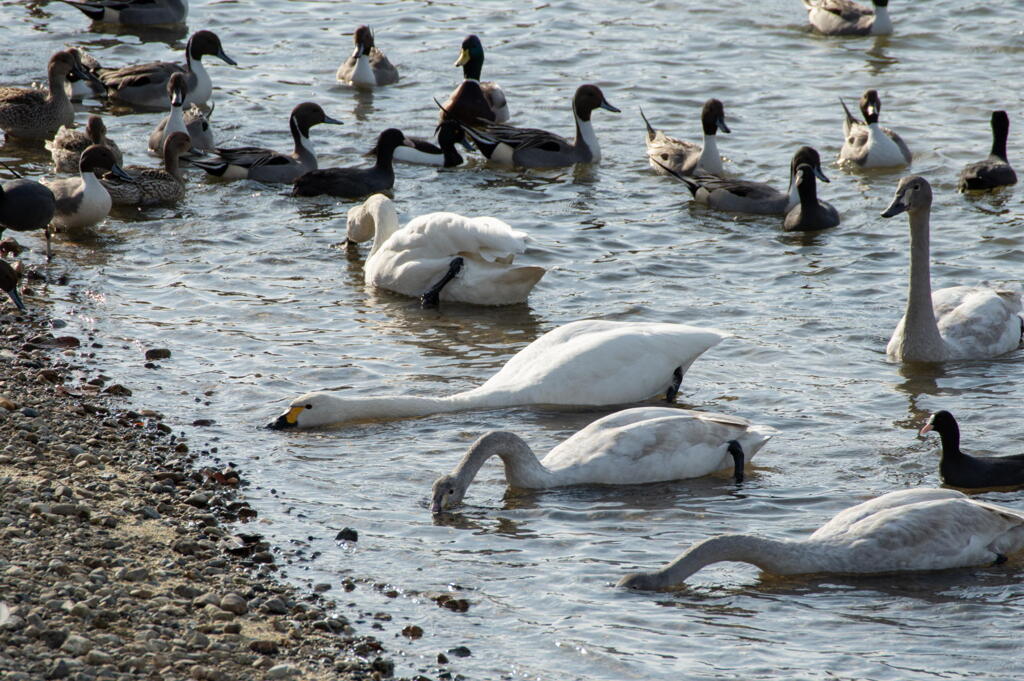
(117,560)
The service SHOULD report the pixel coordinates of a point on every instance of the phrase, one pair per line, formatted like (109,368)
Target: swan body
(687,157)
(845,17)
(908,530)
(994,171)
(959,322)
(633,446)
(411,259)
(866,143)
(971,472)
(367,67)
(586,363)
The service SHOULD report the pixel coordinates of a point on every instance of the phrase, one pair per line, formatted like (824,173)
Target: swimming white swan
(587,363)
(442,256)
(959,322)
(633,446)
(914,529)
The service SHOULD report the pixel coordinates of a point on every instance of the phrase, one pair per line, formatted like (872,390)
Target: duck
(629,447)
(744,196)
(994,171)
(9,284)
(193,121)
(909,530)
(267,165)
(355,183)
(474,100)
(971,472)
(531,148)
(25,205)
(442,256)
(133,12)
(845,17)
(866,143)
(152,186)
(424,152)
(145,85)
(687,157)
(68,144)
(367,67)
(590,362)
(79,88)
(34,114)
(83,201)
(955,323)
(810,214)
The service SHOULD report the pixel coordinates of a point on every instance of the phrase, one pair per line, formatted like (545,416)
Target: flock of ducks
(448,257)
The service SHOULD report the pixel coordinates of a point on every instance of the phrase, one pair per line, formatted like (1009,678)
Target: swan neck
(522,469)
(771,555)
(385,222)
(920,327)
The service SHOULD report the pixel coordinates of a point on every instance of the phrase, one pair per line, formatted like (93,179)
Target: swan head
(640,581)
(912,194)
(311,410)
(447,493)
(362,219)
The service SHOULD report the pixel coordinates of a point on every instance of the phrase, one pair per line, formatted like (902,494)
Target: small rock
(322,587)
(118,389)
(412,631)
(98,657)
(282,671)
(232,628)
(275,606)
(76,645)
(460,651)
(199,499)
(264,647)
(232,602)
(158,353)
(203,422)
(59,670)
(7,404)
(347,534)
(442,658)
(30,412)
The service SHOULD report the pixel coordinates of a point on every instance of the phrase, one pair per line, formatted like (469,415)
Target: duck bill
(178,99)
(463,58)
(608,107)
(225,58)
(895,208)
(289,419)
(332,121)
(117,171)
(821,175)
(927,429)
(16,298)
(725,128)
(87,75)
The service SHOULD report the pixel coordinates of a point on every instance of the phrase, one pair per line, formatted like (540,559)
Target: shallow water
(247,288)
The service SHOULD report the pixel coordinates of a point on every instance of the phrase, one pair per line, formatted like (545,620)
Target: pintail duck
(133,12)
(744,196)
(845,17)
(473,100)
(67,146)
(959,322)
(687,157)
(31,113)
(192,121)
(151,186)
(146,84)
(442,256)
(810,214)
(367,67)
(424,152)
(994,171)
(355,183)
(958,469)
(868,144)
(267,165)
(9,284)
(83,201)
(531,148)
(79,88)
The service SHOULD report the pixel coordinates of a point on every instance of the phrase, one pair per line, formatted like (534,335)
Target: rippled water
(246,287)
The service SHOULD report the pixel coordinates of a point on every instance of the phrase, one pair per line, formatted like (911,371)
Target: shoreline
(122,556)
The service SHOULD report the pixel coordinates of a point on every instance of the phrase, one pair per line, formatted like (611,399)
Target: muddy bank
(121,556)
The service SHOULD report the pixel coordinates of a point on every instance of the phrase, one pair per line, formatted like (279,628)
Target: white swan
(442,256)
(633,446)
(587,363)
(959,322)
(914,529)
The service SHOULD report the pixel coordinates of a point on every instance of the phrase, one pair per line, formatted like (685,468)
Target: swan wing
(449,234)
(652,444)
(850,516)
(977,321)
(593,362)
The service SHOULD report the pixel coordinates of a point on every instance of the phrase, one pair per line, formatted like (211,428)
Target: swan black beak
(281,423)
(895,208)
